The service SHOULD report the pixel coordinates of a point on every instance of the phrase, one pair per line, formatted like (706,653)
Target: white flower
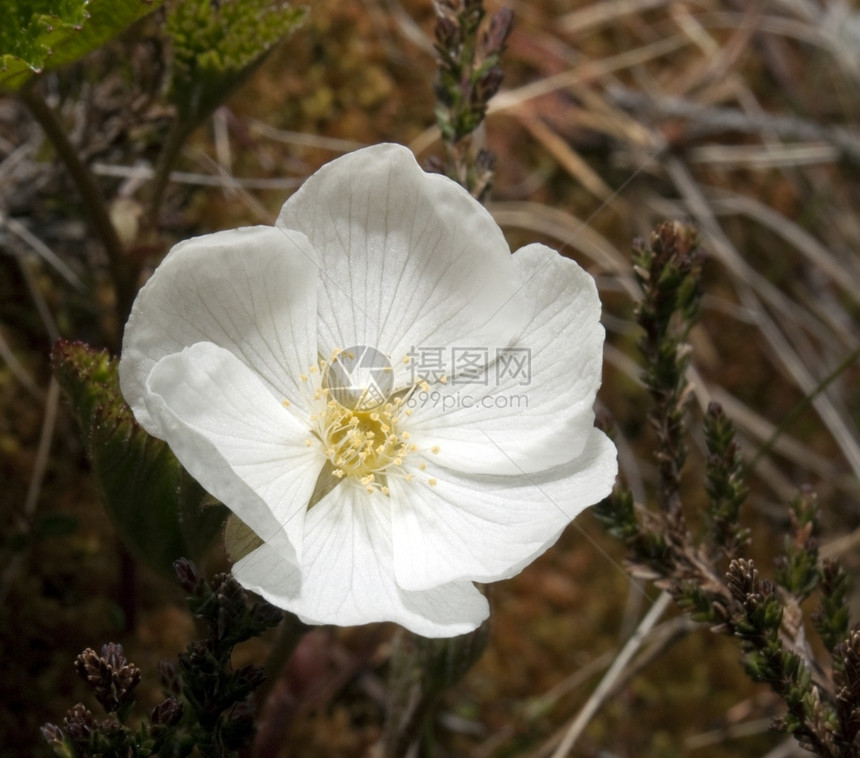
(230,356)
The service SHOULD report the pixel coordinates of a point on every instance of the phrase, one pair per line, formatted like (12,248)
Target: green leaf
(217,45)
(157,508)
(36,35)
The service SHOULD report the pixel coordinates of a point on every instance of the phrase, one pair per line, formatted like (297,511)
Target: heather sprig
(765,617)
(208,703)
(468,76)
(112,680)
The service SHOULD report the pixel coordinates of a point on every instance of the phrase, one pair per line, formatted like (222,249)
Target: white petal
(251,291)
(237,440)
(347,574)
(484,528)
(510,421)
(408,258)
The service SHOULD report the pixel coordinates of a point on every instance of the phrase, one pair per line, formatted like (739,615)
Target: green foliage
(207,702)
(648,547)
(797,569)
(39,34)
(756,623)
(667,267)
(155,505)
(112,680)
(216,46)
(833,617)
(703,606)
(618,513)
(469,75)
(846,676)
(764,617)
(222,604)
(724,482)
(218,695)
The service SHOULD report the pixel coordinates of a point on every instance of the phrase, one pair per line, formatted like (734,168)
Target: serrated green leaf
(36,35)
(156,506)
(217,45)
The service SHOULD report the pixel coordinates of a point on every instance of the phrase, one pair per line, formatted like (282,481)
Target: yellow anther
(285,403)
(365,445)
(424,386)
(431,482)
(434,449)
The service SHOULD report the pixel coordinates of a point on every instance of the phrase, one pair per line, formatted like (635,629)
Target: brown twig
(122,272)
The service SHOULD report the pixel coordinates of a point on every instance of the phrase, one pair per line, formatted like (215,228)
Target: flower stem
(179,132)
(611,677)
(123,274)
(289,635)
(801,406)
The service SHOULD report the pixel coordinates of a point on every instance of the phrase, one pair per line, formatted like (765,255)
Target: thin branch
(612,675)
(180,131)
(123,275)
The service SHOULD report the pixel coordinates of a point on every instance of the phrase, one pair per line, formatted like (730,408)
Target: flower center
(363,444)
(360,440)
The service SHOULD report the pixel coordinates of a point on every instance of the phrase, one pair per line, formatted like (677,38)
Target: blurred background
(738,115)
